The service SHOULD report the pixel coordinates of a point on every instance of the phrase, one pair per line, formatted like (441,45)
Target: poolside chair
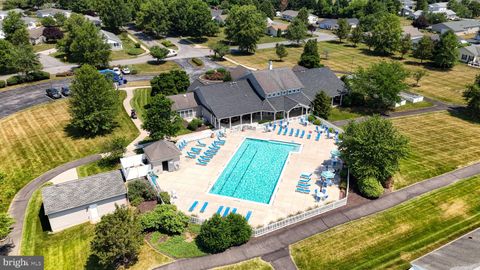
(196,149)
(274,126)
(195,203)
(249,214)
(303,186)
(303,134)
(301,190)
(201,144)
(297,132)
(309,136)
(317,130)
(285,132)
(204,206)
(291,132)
(219,210)
(202,162)
(304,180)
(306,175)
(227,210)
(318,137)
(213,147)
(234,211)
(190,156)
(279,130)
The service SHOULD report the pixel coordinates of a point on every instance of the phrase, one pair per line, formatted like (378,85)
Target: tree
(52,34)
(60,18)
(240,231)
(472,97)
(356,36)
(405,45)
(281,51)
(48,21)
(153,17)
(370,187)
(434,18)
(15,29)
(7,58)
(303,15)
(381,84)
(421,5)
(322,104)
(296,31)
(421,22)
(386,34)
(116,147)
(220,49)
(93,103)
(6,223)
(118,238)
(159,53)
(445,52)
(160,120)
(343,29)
(170,83)
(25,60)
(114,13)
(245,26)
(139,191)
(373,148)
(165,218)
(423,49)
(202,24)
(267,8)
(418,75)
(310,57)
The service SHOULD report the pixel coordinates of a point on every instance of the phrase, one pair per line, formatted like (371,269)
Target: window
(186,113)
(464,57)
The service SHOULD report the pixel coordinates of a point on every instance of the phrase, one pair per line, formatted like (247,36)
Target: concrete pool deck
(192,182)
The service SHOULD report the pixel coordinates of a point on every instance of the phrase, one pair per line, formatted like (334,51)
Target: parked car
(171,53)
(125,70)
(65,91)
(117,70)
(53,93)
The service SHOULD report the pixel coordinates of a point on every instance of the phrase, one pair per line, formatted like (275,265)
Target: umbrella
(327,174)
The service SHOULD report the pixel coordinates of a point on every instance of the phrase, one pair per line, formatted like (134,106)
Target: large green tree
(386,34)
(170,83)
(310,57)
(267,8)
(303,15)
(6,56)
(15,29)
(94,102)
(343,29)
(160,120)
(25,60)
(118,238)
(405,45)
(356,36)
(191,17)
(373,148)
(153,17)
(381,84)
(159,53)
(245,25)
(296,31)
(445,52)
(165,218)
(322,105)
(472,97)
(280,51)
(114,13)
(423,49)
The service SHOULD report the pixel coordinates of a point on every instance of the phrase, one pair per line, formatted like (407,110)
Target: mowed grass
(439,143)
(178,246)
(141,97)
(393,238)
(70,249)
(97,167)
(36,140)
(129,50)
(154,67)
(442,85)
(253,264)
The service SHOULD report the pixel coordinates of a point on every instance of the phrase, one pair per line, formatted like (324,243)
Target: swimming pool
(254,170)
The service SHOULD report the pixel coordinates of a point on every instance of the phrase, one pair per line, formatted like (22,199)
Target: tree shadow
(156,63)
(464,114)
(236,52)
(77,133)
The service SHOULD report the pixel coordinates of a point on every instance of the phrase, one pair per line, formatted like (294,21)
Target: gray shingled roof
(161,151)
(275,80)
(291,13)
(462,253)
(239,72)
(457,26)
(82,192)
(473,49)
(183,101)
(110,36)
(317,79)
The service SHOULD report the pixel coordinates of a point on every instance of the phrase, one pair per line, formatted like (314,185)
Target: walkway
(274,247)
(20,201)
(138,123)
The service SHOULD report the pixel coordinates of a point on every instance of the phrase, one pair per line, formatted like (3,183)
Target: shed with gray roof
(88,199)
(163,155)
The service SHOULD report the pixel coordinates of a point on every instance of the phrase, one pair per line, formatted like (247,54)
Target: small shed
(133,167)
(163,156)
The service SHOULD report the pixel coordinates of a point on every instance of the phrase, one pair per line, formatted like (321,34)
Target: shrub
(210,72)
(3,83)
(167,43)
(165,197)
(166,219)
(133,71)
(39,75)
(197,61)
(13,80)
(317,122)
(134,51)
(370,187)
(239,229)
(311,118)
(137,45)
(139,191)
(222,70)
(194,124)
(227,77)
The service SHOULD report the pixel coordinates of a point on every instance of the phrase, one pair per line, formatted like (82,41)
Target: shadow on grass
(156,63)
(464,114)
(77,133)
(44,220)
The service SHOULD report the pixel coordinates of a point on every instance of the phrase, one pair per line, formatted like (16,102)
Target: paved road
(19,204)
(274,247)
(193,71)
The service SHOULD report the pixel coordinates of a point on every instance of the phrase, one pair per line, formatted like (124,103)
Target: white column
(241,121)
(230,122)
(261,115)
(251,118)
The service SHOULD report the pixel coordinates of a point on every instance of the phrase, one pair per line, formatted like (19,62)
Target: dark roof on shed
(183,101)
(81,192)
(161,151)
(462,253)
(316,79)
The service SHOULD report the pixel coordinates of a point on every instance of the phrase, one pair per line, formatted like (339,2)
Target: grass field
(391,239)
(253,264)
(69,249)
(128,51)
(178,246)
(96,167)
(43,47)
(442,85)
(439,143)
(36,140)
(154,68)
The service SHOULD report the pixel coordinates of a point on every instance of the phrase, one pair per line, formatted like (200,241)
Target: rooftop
(82,192)
(161,151)
(110,36)
(276,80)
(291,13)
(183,101)
(457,26)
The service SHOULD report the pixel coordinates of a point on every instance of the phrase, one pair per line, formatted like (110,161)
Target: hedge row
(32,77)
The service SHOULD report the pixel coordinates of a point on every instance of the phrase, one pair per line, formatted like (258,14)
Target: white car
(171,53)
(117,70)
(125,70)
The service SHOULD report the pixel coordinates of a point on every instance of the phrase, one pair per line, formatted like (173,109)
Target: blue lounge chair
(196,149)
(219,210)
(303,185)
(249,214)
(204,206)
(291,132)
(304,180)
(202,163)
(213,147)
(195,203)
(309,136)
(201,144)
(303,134)
(318,136)
(306,175)
(234,211)
(274,126)
(297,132)
(190,156)
(302,190)
(317,129)
(285,132)
(227,210)
(279,130)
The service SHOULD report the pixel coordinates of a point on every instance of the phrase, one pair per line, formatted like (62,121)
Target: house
(112,40)
(436,8)
(88,199)
(4,13)
(332,24)
(462,27)
(406,12)
(253,96)
(94,19)
(50,12)
(185,105)
(35,35)
(289,15)
(162,156)
(30,22)
(273,29)
(415,34)
(462,253)
(217,15)
(470,54)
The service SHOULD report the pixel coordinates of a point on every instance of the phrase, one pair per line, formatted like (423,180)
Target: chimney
(270,65)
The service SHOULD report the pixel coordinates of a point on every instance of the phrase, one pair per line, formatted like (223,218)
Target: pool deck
(192,182)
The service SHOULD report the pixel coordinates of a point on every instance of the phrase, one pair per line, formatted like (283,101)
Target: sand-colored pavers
(192,182)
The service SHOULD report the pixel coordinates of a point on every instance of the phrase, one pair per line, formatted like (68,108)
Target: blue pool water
(253,172)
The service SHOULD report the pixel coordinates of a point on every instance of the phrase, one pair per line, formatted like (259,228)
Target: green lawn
(253,264)
(413,106)
(70,249)
(154,68)
(391,239)
(36,140)
(442,85)
(439,143)
(43,47)
(128,51)
(342,113)
(178,246)
(97,167)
